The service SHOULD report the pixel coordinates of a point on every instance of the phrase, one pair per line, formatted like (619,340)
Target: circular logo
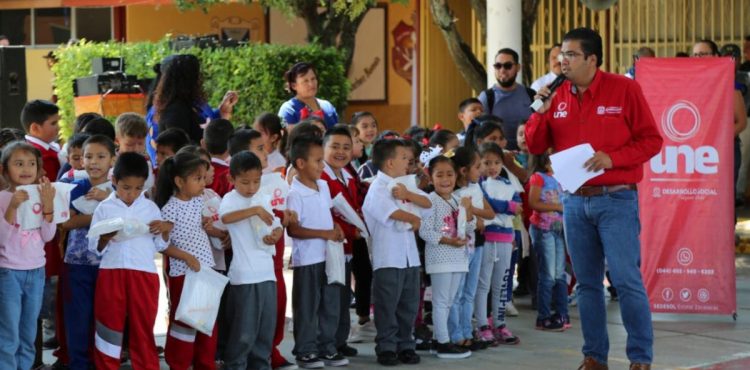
(36,208)
(667,121)
(703,295)
(277,193)
(667,294)
(684,256)
(656,192)
(685,294)
(562,106)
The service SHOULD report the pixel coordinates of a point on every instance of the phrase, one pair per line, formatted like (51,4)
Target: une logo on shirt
(561,110)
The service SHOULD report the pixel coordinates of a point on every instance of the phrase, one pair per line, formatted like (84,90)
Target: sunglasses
(507,65)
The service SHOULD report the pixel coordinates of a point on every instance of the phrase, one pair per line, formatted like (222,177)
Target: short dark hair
(174,138)
(385,149)
(442,137)
(296,70)
(337,130)
(83,119)
(101,140)
(195,150)
(77,140)
(485,125)
(508,51)
(37,111)
(271,124)
(712,45)
(130,164)
(441,159)
(244,161)
(132,125)
(466,103)
(241,139)
(591,42)
(301,148)
(301,129)
(359,115)
(8,135)
(216,136)
(100,126)
(3,37)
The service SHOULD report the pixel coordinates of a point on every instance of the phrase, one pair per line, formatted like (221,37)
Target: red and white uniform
(221,183)
(127,287)
(612,115)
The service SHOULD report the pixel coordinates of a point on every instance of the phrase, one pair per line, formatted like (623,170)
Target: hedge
(255,71)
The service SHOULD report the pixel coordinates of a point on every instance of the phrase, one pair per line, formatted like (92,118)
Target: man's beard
(509,83)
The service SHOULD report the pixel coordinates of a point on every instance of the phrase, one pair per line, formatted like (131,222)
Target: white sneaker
(362,333)
(510,309)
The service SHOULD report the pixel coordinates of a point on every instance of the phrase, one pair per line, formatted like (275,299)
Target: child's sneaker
(511,310)
(504,336)
(450,350)
(484,334)
(549,324)
(564,319)
(335,359)
(310,361)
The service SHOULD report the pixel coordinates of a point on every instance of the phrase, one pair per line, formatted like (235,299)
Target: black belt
(593,191)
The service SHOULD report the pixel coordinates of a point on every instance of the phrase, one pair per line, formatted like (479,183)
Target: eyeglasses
(506,65)
(569,55)
(703,54)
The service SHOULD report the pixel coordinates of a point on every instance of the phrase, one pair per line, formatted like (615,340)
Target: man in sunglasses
(507,99)
(600,219)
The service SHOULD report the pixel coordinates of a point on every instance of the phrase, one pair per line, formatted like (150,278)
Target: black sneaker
(51,343)
(335,359)
(473,345)
(387,358)
(348,350)
(549,324)
(424,344)
(286,365)
(450,350)
(310,361)
(409,357)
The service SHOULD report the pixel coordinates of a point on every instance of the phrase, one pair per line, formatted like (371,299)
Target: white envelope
(410,181)
(349,214)
(30,215)
(87,206)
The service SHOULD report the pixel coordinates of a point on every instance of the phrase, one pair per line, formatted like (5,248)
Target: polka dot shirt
(188,233)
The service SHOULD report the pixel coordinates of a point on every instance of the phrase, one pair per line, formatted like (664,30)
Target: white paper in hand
(87,206)
(30,212)
(569,169)
(342,207)
(410,181)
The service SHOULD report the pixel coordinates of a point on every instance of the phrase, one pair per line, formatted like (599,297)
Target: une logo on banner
(703,159)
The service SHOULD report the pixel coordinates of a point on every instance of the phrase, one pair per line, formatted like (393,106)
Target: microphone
(538,103)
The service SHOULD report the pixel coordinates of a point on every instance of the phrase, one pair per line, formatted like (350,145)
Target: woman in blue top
(179,101)
(302,81)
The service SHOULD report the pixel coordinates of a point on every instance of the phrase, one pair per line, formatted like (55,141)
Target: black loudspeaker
(12,85)
(104,65)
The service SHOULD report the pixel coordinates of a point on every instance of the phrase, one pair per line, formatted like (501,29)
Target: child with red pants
(127,288)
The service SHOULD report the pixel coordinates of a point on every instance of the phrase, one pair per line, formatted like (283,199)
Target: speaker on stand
(12,85)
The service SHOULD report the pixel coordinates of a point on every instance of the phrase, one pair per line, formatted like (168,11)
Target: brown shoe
(589,363)
(640,366)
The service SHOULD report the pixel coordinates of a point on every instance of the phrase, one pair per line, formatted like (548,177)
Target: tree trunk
(468,65)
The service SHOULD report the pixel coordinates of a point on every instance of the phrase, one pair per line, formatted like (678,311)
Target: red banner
(687,193)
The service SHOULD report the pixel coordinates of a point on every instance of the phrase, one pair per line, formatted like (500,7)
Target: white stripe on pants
(444,288)
(494,273)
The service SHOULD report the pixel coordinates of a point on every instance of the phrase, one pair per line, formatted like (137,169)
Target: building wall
(38,77)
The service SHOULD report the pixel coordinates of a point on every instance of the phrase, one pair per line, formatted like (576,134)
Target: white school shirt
(251,263)
(391,247)
(132,254)
(313,208)
(187,233)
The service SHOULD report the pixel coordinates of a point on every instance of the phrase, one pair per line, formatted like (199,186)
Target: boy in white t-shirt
(395,260)
(251,299)
(315,303)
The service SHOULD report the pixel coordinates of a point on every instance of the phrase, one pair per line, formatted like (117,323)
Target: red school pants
(277,359)
(126,294)
(186,346)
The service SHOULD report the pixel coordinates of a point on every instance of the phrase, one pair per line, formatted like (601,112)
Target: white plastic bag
(276,188)
(125,228)
(261,229)
(87,206)
(200,298)
(474,192)
(461,223)
(410,181)
(30,215)
(211,210)
(335,263)
(346,211)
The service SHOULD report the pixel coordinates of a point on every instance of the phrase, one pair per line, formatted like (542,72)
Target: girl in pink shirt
(21,255)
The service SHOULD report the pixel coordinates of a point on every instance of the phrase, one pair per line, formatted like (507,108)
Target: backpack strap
(490,95)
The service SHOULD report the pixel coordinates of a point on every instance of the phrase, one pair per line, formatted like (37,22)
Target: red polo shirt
(350,192)
(611,115)
(50,159)
(221,183)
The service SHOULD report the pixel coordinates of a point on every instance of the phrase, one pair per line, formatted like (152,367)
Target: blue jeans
(79,285)
(459,319)
(551,283)
(20,302)
(607,226)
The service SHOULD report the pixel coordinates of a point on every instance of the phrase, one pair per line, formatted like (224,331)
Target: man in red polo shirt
(601,221)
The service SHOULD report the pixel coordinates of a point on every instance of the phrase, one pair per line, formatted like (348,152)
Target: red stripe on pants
(180,355)
(276,358)
(134,295)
